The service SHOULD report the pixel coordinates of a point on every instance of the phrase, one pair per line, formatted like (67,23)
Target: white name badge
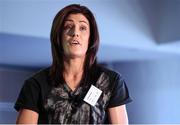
(92,95)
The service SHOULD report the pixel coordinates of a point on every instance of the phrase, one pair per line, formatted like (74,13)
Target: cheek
(86,39)
(64,42)
(64,37)
(86,43)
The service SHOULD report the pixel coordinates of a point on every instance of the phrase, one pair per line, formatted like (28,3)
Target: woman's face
(75,37)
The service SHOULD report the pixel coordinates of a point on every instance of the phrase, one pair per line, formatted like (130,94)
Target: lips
(75,42)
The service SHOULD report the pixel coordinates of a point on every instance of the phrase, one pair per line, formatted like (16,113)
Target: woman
(74,89)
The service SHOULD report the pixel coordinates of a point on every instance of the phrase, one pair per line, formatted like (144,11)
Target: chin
(77,55)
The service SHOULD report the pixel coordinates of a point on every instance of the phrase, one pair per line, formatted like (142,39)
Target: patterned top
(62,105)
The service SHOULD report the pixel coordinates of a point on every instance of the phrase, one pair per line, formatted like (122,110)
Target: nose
(75,32)
(75,35)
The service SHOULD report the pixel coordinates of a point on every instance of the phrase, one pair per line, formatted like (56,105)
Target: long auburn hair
(57,68)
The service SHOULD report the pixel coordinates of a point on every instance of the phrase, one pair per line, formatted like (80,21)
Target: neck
(73,71)
(73,67)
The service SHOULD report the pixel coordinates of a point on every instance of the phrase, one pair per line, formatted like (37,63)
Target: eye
(68,26)
(83,28)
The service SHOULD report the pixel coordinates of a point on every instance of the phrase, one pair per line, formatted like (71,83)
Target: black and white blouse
(62,105)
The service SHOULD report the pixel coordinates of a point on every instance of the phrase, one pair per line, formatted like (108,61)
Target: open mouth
(75,42)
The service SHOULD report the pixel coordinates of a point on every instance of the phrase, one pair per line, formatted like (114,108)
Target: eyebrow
(81,21)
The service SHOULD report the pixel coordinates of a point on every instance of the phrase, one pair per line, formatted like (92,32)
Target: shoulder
(33,91)
(110,73)
(108,78)
(39,82)
(40,75)
(39,78)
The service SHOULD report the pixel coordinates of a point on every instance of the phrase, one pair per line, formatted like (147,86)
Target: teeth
(75,42)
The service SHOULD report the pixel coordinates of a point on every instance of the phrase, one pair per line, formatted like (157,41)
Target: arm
(118,115)
(27,116)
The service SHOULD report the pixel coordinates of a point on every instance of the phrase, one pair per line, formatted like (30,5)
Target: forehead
(77,18)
